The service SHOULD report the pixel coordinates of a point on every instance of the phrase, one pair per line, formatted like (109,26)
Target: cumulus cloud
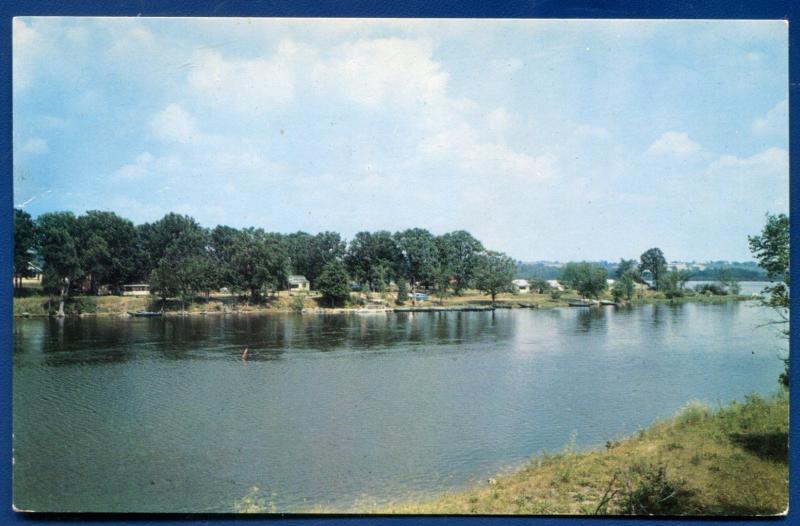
(677,144)
(174,124)
(498,120)
(27,47)
(770,162)
(775,121)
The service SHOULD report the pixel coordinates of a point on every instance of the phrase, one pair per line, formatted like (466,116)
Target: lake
(163,415)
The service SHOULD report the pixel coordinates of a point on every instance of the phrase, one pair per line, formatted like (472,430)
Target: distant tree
(186,267)
(494,272)
(654,261)
(258,262)
(457,253)
(402,292)
(155,238)
(417,257)
(221,249)
(672,283)
(58,246)
(371,258)
(308,254)
(771,250)
(587,279)
(108,249)
(334,283)
(624,287)
(24,242)
(630,267)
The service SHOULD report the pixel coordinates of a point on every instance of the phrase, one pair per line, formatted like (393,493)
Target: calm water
(163,415)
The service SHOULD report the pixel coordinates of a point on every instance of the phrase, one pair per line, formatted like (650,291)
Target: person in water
(244,353)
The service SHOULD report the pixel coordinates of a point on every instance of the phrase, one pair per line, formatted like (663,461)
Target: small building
(610,282)
(299,283)
(136,289)
(521,286)
(555,284)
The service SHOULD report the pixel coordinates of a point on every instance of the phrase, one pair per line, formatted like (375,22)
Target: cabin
(136,289)
(555,284)
(299,283)
(521,286)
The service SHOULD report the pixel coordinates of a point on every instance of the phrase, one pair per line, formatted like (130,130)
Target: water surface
(162,415)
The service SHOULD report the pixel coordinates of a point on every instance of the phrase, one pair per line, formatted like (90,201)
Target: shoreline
(123,305)
(689,464)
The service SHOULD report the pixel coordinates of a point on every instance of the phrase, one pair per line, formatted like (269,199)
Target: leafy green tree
(108,249)
(334,283)
(587,279)
(417,257)
(371,258)
(155,238)
(258,262)
(654,261)
(625,286)
(771,250)
(457,253)
(630,267)
(308,255)
(58,245)
(673,283)
(24,242)
(494,272)
(221,249)
(402,292)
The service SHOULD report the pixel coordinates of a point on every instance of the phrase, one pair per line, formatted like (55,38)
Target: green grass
(728,461)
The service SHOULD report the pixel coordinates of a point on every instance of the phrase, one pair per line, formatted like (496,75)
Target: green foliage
(108,249)
(372,258)
(58,246)
(653,260)
(417,256)
(457,253)
(308,255)
(672,283)
(334,283)
(630,268)
(402,292)
(771,250)
(24,242)
(494,272)
(587,279)
(648,490)
(258,262)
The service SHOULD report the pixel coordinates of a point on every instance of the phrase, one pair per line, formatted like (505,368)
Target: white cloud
(593,132)
(27,47)
(385,70)
(498,120)
(775,121)
(770,162)
(174,124)
(677,144)
(36,146)
(245,85)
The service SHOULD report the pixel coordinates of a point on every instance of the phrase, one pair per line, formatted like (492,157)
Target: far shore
(35,306)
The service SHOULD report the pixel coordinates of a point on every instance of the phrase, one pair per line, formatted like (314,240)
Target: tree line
(102,251)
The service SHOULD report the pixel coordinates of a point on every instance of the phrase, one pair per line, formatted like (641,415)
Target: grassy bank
(728,461)
(38,305)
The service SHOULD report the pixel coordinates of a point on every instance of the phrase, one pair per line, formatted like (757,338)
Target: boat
(144,314)
(573,303)
(608,302)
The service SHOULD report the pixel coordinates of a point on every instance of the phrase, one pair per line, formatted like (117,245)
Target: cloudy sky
(545,139)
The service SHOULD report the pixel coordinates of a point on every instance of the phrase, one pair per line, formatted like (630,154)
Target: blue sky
(545,139)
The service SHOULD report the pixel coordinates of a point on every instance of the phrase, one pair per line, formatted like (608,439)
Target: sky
(546,139)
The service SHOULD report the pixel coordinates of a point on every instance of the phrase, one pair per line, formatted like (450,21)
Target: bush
(711,288)
(648,491)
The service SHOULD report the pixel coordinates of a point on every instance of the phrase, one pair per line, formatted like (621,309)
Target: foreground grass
(729,461)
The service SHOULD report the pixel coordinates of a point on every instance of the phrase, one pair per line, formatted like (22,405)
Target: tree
(155,238)
(727,282)
(457,252)
(417,257)
(24,241)
(587,279)
(308,254)
(624,287)
(494,272)
(334,283)
(108,249)
(654,261)
(402,292)
(371,258)
(673,282)
(221,249)
(57,243)
(630,267)
(771,250)
(258,261)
